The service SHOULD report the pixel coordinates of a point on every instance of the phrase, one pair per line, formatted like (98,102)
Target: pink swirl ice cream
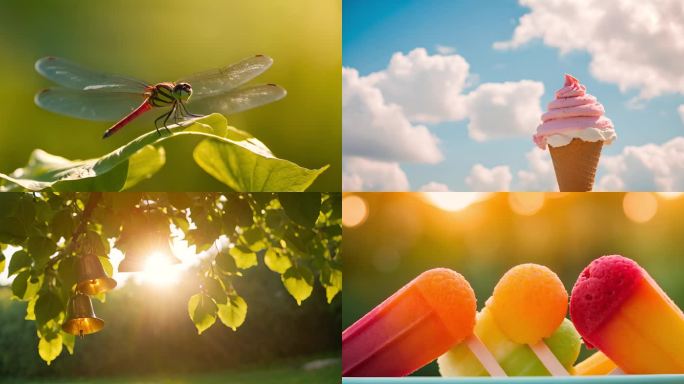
(574,114)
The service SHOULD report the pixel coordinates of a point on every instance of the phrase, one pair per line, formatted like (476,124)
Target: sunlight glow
(454,201)
(640,207)
(159,271)
(670,195)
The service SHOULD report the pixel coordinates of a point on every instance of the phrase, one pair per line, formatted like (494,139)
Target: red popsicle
(412,327)
(618,308)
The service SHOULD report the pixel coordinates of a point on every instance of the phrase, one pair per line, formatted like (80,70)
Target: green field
(282,374)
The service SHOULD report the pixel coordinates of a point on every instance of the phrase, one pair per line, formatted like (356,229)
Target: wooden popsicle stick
(617,371)
(484,356)
(548,359)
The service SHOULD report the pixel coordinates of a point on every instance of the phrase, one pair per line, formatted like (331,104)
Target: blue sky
(374,30)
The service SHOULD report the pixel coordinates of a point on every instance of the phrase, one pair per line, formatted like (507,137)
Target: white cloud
(430,89)
(633,43)
(504,109)
(360,174)
(681,112)
(382,113)
(649,167)
(379,130)
(427,87)
(483,179)
(445,49)
(539,175)
(434,187)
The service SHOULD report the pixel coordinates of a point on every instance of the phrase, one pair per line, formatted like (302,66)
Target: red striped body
(159,95)
(144,107)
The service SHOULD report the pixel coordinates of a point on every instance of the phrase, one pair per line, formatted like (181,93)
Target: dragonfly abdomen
(161,95)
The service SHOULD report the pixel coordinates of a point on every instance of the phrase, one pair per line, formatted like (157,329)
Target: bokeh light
(354,211)
(640,207)
(454,201)
(526,203)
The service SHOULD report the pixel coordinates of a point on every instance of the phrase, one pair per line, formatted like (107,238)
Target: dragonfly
(91,95)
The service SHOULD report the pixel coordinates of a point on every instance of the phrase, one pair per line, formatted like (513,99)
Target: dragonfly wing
(89,105)
(238,100)
(71,75)
(221,80)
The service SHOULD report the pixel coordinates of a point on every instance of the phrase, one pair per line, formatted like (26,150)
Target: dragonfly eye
(183,89)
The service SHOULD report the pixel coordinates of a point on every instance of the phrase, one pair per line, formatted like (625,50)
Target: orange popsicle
(595,365)
(619,309)
(529,303)
(415,325)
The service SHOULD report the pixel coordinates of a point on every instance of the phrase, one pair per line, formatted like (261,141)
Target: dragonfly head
(182,91)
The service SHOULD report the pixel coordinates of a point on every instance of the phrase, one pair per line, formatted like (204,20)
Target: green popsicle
(516,359)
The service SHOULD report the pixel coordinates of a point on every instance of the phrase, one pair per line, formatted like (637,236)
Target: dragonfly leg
(168,115)
(186,112)
(156,122)
(177,115)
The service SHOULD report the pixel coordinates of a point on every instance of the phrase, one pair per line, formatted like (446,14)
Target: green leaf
(112,172)
(19,261)
(67,274)
(243,169)
(276,261)
(225,262)
(23,288)
(302,208)
(26,210)
(234,312)
(214,289)
(101,297)
(144,164)
(253,238)
(333,285)
(8,204)
(12,231)
(48,306)
(62,224)
(31,309)
(299,283)
(107,265)
(93,242)
(232,156)
(69,341)
(238,212)
(50,349)
(202,310)
(51,329)
(40,248)
(244,257)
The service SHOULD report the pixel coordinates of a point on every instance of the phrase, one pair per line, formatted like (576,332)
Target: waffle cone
(575,164)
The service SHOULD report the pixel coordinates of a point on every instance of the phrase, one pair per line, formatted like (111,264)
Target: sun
(159,271)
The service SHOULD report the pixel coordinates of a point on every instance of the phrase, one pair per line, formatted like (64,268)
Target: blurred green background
(149,338)
(391,238)
(166,40)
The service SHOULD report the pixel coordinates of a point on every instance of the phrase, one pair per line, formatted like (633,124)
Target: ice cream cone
(575,164)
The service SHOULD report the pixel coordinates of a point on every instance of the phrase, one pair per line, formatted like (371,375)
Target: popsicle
(619,309)
(595,365)
(516,359)
(415,325)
